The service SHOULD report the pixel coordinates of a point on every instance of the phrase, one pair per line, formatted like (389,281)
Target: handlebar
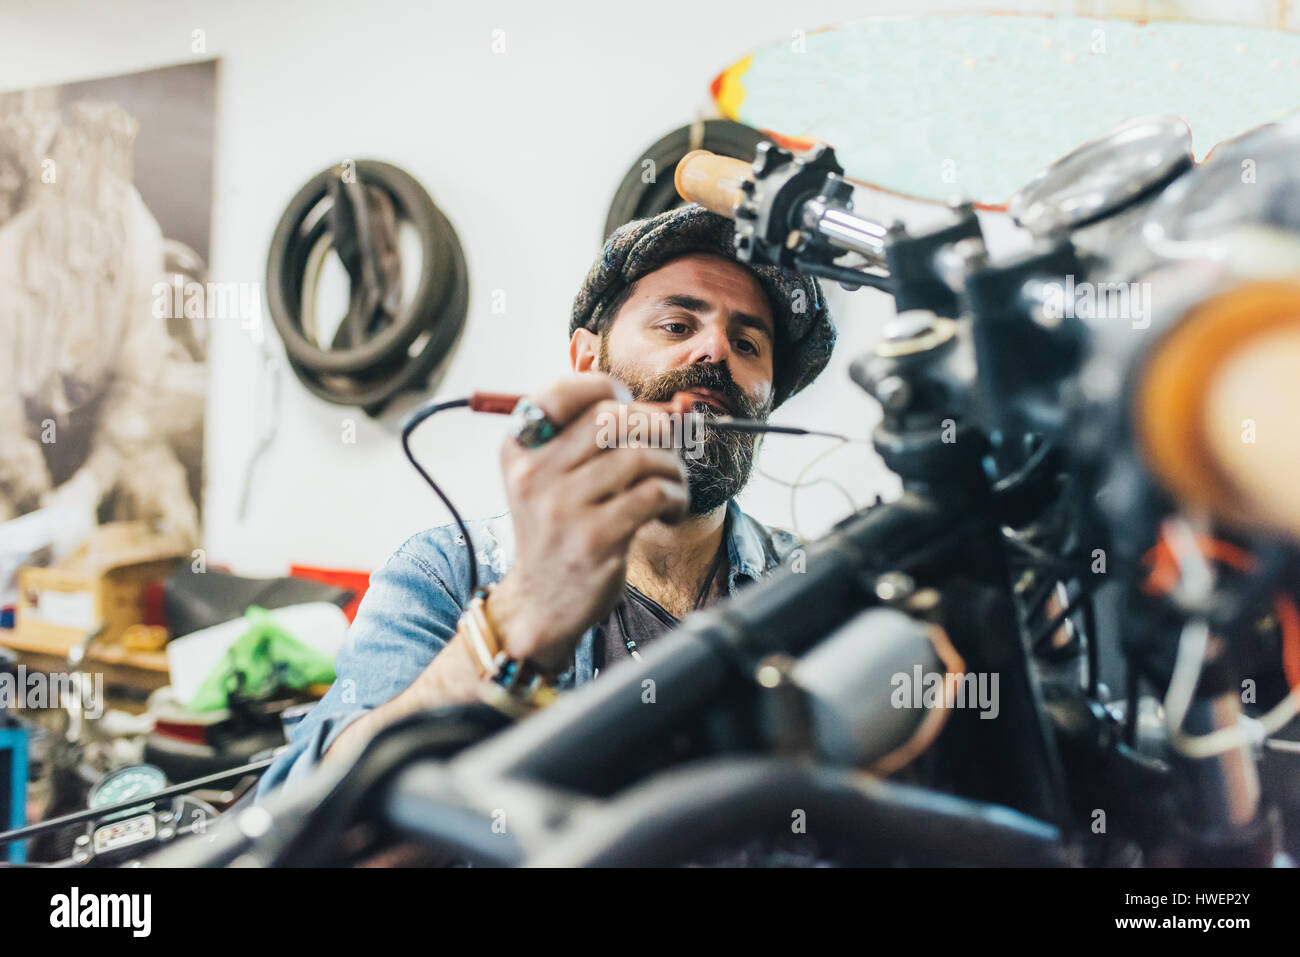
(1207,434)
(805,195)
(726,800)
(711,180)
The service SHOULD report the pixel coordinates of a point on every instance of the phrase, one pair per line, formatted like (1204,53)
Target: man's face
(701,324)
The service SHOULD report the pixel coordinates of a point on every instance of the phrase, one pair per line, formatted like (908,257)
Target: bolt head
(893,393)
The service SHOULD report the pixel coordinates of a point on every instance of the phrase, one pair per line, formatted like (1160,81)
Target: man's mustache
(715,378)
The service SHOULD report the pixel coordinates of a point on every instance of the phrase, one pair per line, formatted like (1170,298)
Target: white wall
(521,150)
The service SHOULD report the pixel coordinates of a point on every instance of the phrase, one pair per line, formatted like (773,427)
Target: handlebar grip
(711,180)
(1216,406)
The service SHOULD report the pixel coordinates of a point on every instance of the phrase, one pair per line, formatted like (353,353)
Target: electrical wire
(798,482)
(798,479)
(725,423)
(1195,576)
(409,426)
(1192,646)
(1036,458)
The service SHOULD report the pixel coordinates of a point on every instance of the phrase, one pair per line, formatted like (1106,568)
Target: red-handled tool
(503,403)
(683,403)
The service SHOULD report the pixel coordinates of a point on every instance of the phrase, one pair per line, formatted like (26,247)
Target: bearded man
(607,545)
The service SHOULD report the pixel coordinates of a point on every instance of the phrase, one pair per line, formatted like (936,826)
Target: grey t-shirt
(637,620)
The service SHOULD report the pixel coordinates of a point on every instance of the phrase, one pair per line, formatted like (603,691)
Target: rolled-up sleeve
(407,616)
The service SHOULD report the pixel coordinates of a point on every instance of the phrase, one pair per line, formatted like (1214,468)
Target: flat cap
(805,333)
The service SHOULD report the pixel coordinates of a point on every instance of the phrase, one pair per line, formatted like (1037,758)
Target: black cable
(1036,458)
(409,426)
(425,411)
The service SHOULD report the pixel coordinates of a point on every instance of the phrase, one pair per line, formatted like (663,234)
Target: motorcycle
(1073,640)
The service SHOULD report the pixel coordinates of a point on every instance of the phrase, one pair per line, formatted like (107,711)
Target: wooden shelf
(108,654)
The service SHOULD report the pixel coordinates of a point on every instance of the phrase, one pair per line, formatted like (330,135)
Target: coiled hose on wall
(388,343)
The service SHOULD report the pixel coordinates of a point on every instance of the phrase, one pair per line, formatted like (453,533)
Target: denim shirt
(410,611)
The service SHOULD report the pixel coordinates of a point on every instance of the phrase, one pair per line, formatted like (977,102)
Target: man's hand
(576,507)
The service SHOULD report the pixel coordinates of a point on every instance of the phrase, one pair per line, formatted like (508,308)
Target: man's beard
(719,464)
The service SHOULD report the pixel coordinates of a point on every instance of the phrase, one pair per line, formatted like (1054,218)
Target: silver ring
(532,427)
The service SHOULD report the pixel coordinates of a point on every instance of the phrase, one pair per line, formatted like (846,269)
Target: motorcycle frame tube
(585,740)
(673,814)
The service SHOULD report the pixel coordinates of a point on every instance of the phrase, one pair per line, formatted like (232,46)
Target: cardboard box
(99,584)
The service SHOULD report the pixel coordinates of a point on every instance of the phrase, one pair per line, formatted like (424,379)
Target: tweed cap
(805,333)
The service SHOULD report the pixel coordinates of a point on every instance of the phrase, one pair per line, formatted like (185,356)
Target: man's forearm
(450,679)
(453,675)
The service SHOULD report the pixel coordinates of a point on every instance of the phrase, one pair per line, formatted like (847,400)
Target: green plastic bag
(265,657)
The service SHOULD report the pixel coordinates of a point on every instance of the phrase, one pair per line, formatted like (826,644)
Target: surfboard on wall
(972,106)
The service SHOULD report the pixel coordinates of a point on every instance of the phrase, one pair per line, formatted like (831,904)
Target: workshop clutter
(195,671)
(45,536)
(135,597)
(102,586)
(257,653)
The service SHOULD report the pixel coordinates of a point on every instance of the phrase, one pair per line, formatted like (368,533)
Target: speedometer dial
(124,784)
